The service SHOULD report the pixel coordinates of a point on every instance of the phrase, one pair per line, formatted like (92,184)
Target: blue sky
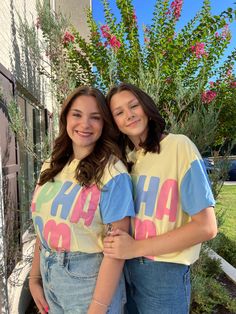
(190,8)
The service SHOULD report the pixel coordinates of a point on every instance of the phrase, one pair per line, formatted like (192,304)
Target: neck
(81,153)
(137,140)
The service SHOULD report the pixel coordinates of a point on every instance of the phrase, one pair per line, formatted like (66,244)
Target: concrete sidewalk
(230,183)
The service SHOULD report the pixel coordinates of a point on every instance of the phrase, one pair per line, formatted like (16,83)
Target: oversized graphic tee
(169,188)
(70,217)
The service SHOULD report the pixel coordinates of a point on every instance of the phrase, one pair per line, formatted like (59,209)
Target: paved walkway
(230,183)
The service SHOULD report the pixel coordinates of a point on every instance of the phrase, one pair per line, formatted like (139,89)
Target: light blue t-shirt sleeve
(117,199)
(195,189)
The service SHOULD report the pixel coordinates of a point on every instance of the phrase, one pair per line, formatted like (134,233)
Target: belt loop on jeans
(61,258)
(141,260)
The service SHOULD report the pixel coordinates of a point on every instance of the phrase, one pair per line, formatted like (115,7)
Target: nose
(129,114)
(85,122)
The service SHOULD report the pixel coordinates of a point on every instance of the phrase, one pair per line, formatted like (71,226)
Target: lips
(133,123)
(83,134)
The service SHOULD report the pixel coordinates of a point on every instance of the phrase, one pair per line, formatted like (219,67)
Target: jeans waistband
(145,260)
(61,255)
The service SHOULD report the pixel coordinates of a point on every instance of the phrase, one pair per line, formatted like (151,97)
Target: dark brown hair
(90,169)
(156,123)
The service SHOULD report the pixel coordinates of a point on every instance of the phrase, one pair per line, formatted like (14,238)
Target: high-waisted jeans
(69,279)
(157,287)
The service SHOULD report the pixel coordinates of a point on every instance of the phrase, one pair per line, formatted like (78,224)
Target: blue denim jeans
(157,287)
(69,279)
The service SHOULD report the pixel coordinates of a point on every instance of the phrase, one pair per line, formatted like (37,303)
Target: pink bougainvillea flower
(233,84)
(199,50)
(68,38)
(176,6)
(114,42)
(225,32)
(105,31)
(208,96)
(229,72)
(168,12)
(212,84)
(111,39)
(134,16)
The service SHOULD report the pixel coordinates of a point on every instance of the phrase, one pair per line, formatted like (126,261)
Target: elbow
(211,232)
(209,225)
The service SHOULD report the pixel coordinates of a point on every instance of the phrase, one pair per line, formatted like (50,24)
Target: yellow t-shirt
(70,217)
(169,188)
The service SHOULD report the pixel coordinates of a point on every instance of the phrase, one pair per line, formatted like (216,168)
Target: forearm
(179,239)
(107,282)
(35,283)
(35,269)
(108,277)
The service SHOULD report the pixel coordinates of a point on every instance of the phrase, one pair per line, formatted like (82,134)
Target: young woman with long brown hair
(173,205)
(82,188)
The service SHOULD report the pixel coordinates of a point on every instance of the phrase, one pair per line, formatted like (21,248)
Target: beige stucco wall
(14,55)
(75,10)
(8,27)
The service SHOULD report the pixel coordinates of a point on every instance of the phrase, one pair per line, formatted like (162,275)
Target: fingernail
(46,309)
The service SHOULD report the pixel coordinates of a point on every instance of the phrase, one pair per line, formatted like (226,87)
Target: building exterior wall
(14,52)
(5,33)
(75,11)
(18,81)
(10,44)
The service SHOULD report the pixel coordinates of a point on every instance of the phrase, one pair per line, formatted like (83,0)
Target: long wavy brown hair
(91,168)
(156,123)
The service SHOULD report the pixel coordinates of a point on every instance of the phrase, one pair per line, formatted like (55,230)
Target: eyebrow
(92,113)
(129,102)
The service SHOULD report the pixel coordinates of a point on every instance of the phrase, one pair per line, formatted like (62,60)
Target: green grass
(227,202)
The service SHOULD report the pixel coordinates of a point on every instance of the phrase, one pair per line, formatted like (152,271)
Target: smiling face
(84,125)
(129,116)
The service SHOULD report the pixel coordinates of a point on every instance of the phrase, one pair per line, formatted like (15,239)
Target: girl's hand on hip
(36,290)
(119,244)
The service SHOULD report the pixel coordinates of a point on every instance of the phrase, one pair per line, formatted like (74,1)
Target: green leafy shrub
(207,292)
(225,248)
